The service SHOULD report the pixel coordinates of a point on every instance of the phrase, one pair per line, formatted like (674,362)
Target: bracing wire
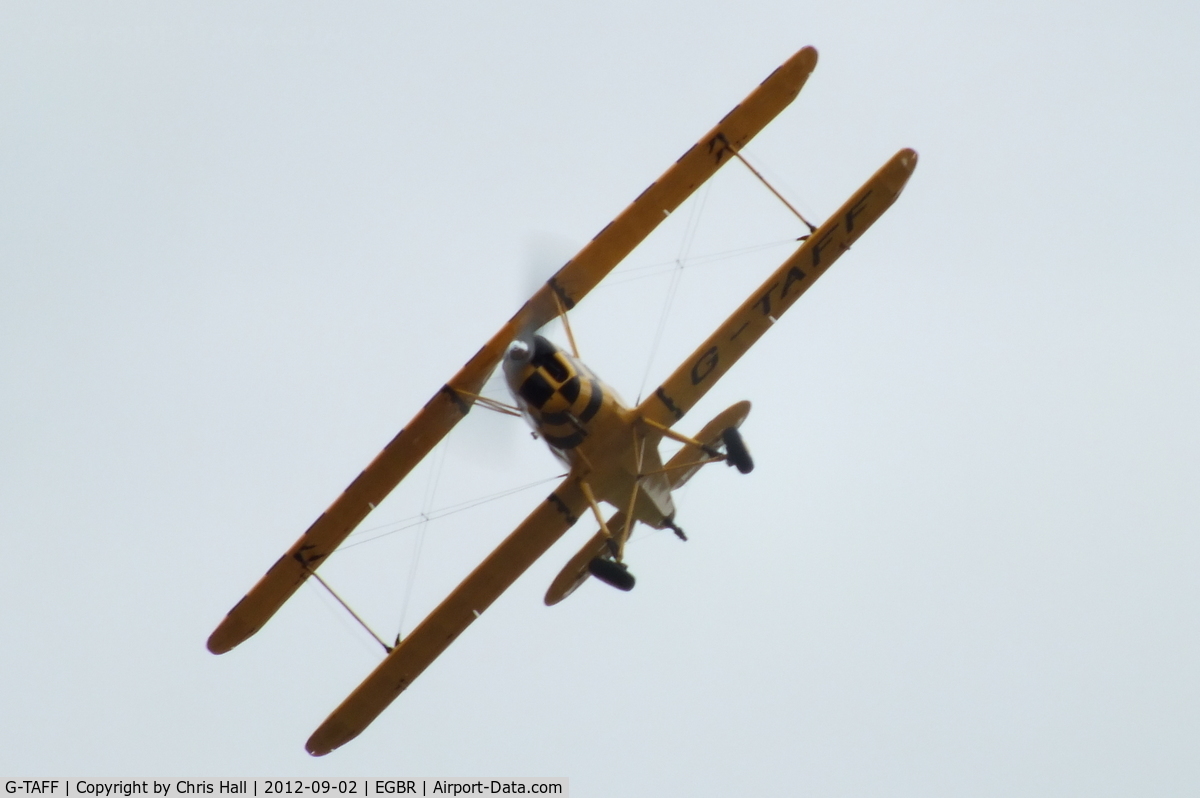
(634,273)
(421,522)
(685,246)
(435,475)
(338,611)
(434,515)
(783,186)
(811,227)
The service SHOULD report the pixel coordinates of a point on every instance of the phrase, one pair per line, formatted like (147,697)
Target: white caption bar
(254,788)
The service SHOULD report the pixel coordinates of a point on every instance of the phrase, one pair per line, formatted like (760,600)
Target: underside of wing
(530,540)
(566,288)
(685,387)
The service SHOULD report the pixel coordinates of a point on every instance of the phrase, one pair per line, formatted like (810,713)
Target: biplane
(611,450)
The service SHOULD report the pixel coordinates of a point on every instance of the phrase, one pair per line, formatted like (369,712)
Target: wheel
(736,453)
(612,573)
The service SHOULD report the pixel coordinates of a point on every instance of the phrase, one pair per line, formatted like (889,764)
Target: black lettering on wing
(669,403)
(794,275)
(563,297)
(562,507)
(704,365)
(305,559)
(820,245)
(458,400)
(765,302)
(719,147)
(856,209)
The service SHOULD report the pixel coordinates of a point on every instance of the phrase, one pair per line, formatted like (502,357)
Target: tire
(611,573)
(736,453)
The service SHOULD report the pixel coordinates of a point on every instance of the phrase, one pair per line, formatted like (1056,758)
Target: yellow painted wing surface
(571,283)
(538,532)
(732,339)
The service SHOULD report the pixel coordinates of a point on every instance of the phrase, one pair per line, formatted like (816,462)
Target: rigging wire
(338,611)
(811,227)
(422,520)
(624,274)
(685,246)
(635,273)
(784,186)
(451,509)
(350,610)
(430,491)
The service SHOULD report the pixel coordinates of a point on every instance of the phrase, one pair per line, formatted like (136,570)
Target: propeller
(545,255)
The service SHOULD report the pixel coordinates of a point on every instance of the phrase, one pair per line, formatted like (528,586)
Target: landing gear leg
(608,569)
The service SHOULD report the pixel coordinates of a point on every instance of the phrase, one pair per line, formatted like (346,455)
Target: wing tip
(217,644)
(227,637)
(800,66)
(330,736)
(893,176)
(319,744)
(906,159)
(315,749)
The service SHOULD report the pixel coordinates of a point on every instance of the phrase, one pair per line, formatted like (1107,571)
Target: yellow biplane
(612,450)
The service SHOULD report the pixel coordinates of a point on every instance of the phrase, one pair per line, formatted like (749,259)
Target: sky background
(242,243)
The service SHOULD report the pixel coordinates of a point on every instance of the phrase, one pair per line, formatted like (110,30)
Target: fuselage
(588,427)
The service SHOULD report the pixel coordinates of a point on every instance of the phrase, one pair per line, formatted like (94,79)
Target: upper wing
(571,283)
(538,532)
(707,364)
(663,196)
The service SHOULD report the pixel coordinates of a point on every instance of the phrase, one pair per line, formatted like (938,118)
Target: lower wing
(732,339)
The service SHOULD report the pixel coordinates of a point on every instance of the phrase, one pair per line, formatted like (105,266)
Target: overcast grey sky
(242,243)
